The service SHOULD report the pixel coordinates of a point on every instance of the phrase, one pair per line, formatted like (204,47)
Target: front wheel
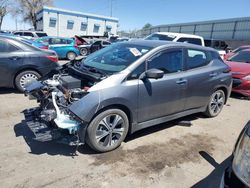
(215,104)
(107,130)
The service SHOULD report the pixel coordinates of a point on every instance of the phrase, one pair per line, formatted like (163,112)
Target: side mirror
(154,74)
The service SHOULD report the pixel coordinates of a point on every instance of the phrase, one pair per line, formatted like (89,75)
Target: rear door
(11,57)
(59,46)
(201,78)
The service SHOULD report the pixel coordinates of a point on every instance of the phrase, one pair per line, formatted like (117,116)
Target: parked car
(64,47)
(83,45)
(97,45)
(33,43)
(132,85)
(230,54)
(237,174)
(240,65)
(30,34)
(177,37)
(21,63)
(220,45)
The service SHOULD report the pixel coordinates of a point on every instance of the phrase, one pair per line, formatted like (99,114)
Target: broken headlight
(241,162)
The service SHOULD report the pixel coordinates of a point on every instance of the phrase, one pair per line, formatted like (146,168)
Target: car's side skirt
(139,126)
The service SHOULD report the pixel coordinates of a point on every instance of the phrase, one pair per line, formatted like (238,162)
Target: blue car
(27,41)
(64,47)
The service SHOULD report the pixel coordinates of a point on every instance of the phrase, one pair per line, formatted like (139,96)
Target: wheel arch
(225,90)
(122,107)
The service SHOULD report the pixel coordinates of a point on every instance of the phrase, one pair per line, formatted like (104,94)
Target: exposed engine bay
(57,91)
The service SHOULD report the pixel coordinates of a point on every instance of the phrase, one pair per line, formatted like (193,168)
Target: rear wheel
(107,130)
(25,77)
(71,56)
(216,103)
(84,51)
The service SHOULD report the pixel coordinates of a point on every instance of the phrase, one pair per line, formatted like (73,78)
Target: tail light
(45,47)
(227,70)
(53,58)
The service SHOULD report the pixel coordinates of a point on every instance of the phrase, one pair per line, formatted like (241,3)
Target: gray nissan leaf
(127,87)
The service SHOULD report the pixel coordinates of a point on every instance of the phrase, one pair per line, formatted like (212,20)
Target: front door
(165,96)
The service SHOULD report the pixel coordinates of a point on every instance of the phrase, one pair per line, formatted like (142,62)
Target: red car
(240,66)
(230,54)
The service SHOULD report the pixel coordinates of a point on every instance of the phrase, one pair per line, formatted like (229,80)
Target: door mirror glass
(154,73)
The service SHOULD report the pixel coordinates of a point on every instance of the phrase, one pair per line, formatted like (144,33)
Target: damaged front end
(55,95)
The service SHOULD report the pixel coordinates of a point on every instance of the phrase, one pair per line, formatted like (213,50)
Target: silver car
(129,86)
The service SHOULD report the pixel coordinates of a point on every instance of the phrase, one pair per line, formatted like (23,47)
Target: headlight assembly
(247,78)
(241,162)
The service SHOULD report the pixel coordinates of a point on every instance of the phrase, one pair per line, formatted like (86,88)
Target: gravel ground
(167,155)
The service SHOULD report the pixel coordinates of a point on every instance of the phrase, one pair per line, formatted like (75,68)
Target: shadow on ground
(55,148)
(8,91)
(214,178)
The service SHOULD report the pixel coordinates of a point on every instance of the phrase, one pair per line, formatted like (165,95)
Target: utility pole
(111,8)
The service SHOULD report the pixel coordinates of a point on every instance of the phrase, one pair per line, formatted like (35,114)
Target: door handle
(181,81)
(213,74)
(14,58)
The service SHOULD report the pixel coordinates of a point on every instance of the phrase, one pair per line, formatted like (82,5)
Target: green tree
(147,26)
(4,4)
(28,9)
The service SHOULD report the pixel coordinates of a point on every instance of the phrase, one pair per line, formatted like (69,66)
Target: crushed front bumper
(46,132)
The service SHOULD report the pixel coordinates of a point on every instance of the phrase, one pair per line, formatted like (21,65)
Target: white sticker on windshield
(144,51)
(135,51)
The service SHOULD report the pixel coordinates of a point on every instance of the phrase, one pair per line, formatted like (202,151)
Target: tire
(84,51)
(25,77)
(216,103)
(107,130)
(71,56)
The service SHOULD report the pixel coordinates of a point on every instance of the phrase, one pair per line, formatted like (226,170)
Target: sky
(134,14)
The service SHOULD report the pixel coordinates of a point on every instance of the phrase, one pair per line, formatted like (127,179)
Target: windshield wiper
(94,70)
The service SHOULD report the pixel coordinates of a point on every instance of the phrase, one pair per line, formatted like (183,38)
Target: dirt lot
(168,155)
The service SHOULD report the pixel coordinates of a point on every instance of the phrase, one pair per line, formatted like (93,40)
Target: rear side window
(196,58)
(215,55)
(18,33)
(28,34)
(169,61)
(7,47)
(41,34)
(190,40)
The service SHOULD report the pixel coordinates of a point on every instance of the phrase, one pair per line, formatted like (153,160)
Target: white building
(65,23)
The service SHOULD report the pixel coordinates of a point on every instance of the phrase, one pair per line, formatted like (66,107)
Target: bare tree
(28,9)
(3,10)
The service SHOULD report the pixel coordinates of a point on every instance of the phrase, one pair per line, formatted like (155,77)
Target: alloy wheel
(217,102)
(109,130)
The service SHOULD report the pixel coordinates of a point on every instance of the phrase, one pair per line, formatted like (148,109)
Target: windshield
(115,57)
(160,37)
(241,57)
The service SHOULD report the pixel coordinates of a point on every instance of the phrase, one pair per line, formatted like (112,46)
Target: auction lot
(168,155)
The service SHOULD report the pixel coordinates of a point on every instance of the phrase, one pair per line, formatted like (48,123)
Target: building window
(84,26)
(96,28)
(52,22)
(70,24)
(108,28)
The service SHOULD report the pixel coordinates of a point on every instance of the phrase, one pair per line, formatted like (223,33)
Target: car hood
(239,68)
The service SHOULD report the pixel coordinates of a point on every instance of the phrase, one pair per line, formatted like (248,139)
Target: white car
(177,37)
(30,34)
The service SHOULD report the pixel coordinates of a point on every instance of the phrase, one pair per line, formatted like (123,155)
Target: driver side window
(168,61)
